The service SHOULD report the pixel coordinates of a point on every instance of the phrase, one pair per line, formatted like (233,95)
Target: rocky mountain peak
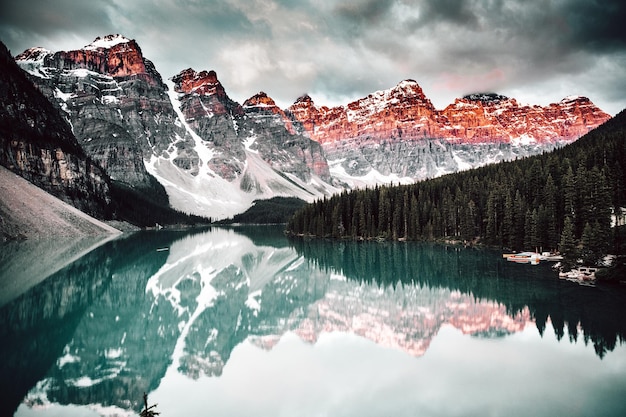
(485,97)
(107,42)
(305,99)
(303,106)
(204,82)
(406,92)
(204,94)
(262,105)
(579,101)
(111,55)
(409,88)
(33,54)
(260,100)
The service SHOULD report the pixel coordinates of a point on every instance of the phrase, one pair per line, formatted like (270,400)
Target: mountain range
(184,142)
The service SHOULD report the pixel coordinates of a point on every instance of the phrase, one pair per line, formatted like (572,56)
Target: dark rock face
(39,145)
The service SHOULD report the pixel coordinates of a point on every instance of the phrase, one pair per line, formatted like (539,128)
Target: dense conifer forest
(147,210)
(563,200)
(276,210)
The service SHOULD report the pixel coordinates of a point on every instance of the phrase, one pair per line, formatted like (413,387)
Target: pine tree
(567,246)
(594,244)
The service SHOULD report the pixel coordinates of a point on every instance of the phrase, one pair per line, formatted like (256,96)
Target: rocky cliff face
(115,101)
(397,134)
(278,142)
(259,127)
(483,118)
(242,152)
(211,155)
(37,144)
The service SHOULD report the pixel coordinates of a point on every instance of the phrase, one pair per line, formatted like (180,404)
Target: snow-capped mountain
(214,156)
(115,101)
(398,135)
(238,153)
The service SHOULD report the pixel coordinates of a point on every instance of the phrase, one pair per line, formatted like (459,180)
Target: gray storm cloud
(536,50)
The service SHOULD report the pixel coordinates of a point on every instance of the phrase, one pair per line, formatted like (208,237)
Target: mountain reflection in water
(127,316)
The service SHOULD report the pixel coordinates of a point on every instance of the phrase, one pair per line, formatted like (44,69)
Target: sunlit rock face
(113,55)
(401,113)
(405,113)
(480,118)
(115,101)
(279,143)
(37,144)
(213,156)
(399,135)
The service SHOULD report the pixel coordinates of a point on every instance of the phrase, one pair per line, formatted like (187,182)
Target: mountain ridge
(187,142)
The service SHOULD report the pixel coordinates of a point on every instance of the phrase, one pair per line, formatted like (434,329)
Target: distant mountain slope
(27,211)
(275,210)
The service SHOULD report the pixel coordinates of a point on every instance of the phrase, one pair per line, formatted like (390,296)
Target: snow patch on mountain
(207,194)
(523,140)
(106,42)
(372,178)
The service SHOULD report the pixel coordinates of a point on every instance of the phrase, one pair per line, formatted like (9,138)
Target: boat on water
(552,257)
(583,273)
(532,258)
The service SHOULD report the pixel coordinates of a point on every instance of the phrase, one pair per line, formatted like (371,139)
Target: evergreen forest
(562,200)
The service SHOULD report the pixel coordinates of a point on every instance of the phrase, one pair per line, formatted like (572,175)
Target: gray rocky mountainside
(115,101)
(211,155)
(38,145)
(258,127)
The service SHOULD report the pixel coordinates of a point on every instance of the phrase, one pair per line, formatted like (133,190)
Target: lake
(245,322)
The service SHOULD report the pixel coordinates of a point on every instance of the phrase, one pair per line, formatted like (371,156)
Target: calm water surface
(244,322)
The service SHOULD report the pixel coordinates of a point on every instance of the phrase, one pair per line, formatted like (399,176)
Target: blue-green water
(244,322)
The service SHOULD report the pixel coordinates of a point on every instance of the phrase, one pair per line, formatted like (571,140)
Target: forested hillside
(564,197)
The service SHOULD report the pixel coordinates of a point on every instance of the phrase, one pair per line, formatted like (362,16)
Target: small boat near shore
(583,273)
(532,258)
(551,257)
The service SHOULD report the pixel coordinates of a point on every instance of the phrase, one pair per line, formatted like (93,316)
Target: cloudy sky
(538,51)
